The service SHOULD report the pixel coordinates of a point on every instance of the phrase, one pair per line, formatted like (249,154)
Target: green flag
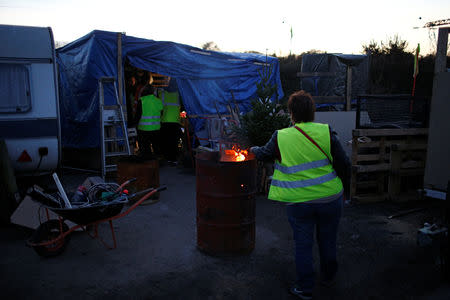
(416,61)
(292,33)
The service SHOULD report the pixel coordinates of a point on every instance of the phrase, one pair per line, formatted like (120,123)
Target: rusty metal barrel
(225,205)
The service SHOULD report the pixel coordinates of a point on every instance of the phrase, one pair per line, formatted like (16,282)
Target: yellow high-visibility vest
(304,173)
(171,107)
(151,113)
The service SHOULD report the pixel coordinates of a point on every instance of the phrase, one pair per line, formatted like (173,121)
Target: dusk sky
(332,26)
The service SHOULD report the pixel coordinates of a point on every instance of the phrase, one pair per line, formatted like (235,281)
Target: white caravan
(29,112)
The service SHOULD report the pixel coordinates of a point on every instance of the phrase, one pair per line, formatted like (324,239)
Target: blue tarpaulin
(203,78)
(333,78)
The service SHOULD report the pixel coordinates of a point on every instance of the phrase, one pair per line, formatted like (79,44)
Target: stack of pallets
(387,164)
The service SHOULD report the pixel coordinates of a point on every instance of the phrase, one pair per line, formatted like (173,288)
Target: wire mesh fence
(392,111)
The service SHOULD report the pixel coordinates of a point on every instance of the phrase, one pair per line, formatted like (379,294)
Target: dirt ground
(157,255)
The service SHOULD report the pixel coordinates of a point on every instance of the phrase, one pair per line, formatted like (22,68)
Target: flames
(235,154)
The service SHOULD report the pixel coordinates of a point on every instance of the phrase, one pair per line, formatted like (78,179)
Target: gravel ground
(157,257)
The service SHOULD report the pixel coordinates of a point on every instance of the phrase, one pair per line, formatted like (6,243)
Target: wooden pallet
(372,161)
(159,80)
(407,171)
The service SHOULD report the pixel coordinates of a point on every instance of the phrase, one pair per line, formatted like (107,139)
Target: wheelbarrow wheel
(46,232)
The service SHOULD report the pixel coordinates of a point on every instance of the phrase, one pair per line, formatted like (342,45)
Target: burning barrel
(225,203)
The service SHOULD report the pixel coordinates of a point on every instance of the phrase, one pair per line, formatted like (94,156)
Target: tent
(204,78)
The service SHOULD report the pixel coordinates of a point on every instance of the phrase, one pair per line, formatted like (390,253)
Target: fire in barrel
(226,188)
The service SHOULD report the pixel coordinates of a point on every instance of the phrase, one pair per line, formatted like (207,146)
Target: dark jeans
(170,134)
(148,140)
(304,218)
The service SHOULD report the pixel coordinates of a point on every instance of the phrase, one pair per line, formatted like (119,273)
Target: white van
(29,112)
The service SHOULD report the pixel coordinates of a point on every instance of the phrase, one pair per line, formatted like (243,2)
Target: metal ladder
(114,135)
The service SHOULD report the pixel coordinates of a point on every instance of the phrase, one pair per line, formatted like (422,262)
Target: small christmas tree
(266,116)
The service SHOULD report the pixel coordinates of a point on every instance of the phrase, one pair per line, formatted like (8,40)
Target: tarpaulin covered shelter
(326,75)
(204,78)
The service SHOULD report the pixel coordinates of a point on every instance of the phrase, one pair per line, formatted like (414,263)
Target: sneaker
(295,290)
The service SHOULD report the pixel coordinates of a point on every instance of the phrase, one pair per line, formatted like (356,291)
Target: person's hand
(251,149)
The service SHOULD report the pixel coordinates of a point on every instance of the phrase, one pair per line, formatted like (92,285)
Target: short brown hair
(302,107)
(147,90)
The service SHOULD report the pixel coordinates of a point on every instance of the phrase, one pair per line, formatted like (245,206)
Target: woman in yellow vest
(149,110)
(311,171)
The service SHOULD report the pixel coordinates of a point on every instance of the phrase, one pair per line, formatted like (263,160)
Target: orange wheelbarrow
(52,236)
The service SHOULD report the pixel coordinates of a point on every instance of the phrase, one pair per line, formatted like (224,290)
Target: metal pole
(102,125)
(358,112)
(348,94)
(120,72)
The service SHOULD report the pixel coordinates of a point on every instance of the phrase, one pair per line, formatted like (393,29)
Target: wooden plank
(413,164)
(371,168)
(355,150)
(403,147)
(412,172)
(370,157)
(382,151)
(389,143)
(159,80)
(390,132)
(374,144)
(368,184)
(370,198)
(381,176)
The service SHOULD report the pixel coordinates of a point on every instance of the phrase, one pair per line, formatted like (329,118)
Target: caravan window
(15,93)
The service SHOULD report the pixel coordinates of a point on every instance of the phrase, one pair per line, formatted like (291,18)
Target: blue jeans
(304,217)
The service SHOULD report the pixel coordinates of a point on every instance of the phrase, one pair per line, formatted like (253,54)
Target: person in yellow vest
(311,171)
(170,125)
(149,111)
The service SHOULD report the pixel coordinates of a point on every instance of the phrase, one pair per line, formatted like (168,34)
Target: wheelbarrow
(51,237)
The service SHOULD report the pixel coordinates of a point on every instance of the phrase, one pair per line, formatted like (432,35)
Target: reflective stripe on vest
(305,182)
(171,110)
(304,172)
(151,111)
(143,120)
(302,167)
